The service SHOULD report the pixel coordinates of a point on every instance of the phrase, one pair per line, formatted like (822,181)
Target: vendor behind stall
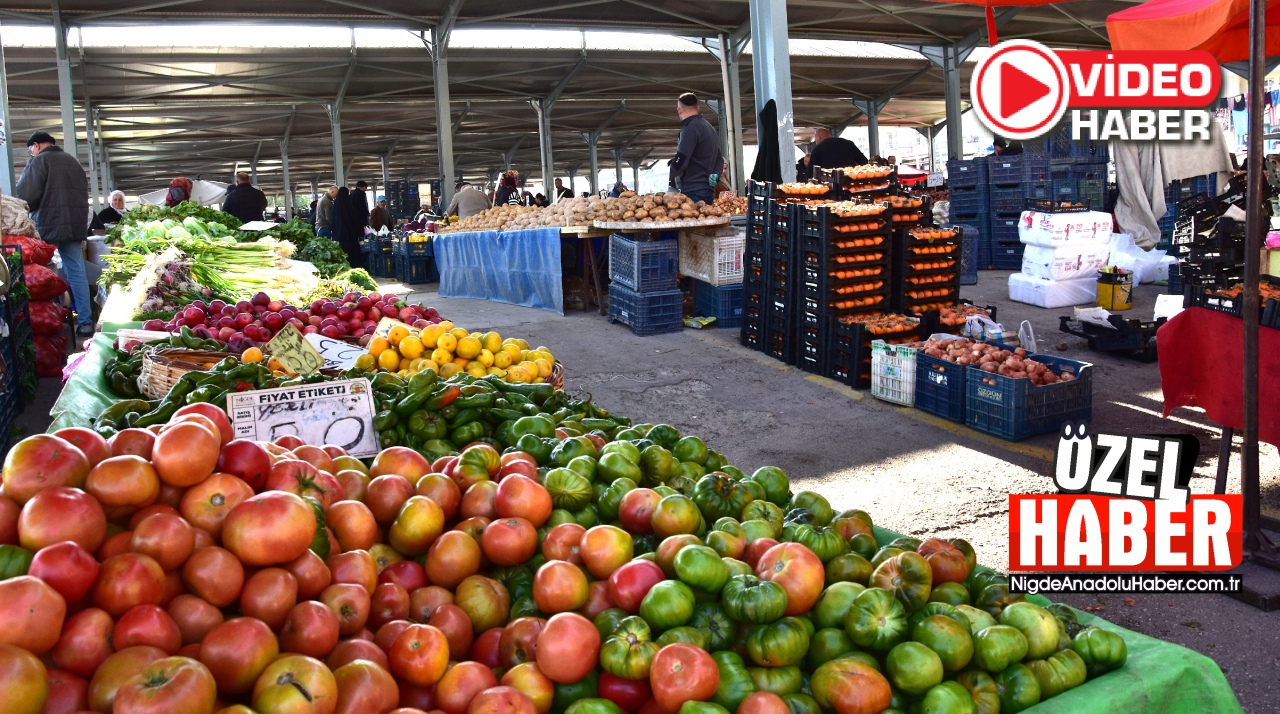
(112,214)
(467,201)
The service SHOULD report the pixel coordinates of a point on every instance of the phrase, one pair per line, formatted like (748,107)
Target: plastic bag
(982,328)
(42,283)
(51,354)
(1027,336)
(34,250)
(47,318)
(1145,264)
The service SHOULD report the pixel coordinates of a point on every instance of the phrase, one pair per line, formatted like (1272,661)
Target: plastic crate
(779,340)
(1007,256)
(412,271)
(968,202)
(411,249)
(723,302)
(1065,149)
(381,265)
(1092,192)
(644,266)
(1004,229)
(967,173)
(893,372)
(715,260)
(1175,280)
(969,238)
(940,387)
(811,349)
(751,334)
(1018,169)
(1014,409)
(646,313)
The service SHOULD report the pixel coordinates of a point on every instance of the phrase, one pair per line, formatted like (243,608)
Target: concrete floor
(914,473)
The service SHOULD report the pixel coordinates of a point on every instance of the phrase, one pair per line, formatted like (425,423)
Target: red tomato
(456,626)
(296,684)
(453,557)
(315,456)
(310,629)
(350,603)
(147,625)
(351,650)
(9,521)
(60,514)
(501,700)
(442,490)
(461,684)
(424,601)
(682,673)
(88,441)
(568,647)
(151,510)
(598,600)
(531,682)
(123,482)
(247,461)
(269,595)
(629,694)
(797,570)
(519,641)
(356,567)
(237,651)
(186,453)
(206,504)
(386,495)
(387,634)
(562,543)
(132,442)
(406,573)
(948,563)
(355,484)
(302,479)
(559,586)
(213,413)
(126,580)
(763,703)
(215,575)
(352,523)
(756,549)
(391,602)
(23,680)
(67,693)
(850,686)
(311,573)
(400,460)
(115,671)
(636,510)
(270,528)
(523,497)
(172,684)
(604,549)
(416,527)
(485,601)
(67,568)
(85,642)
(194,617)
(479,500)
(168,539)
(629,584)
(43,461)
(365,688)
(419,655)
(509,541)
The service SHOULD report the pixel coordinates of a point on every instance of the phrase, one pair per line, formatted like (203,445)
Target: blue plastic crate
(1004,229)
(1013,409)
(1009,199)
(724,303)
(972,172)
(1066,190)
(646,313)
(644,266)
(1018,169)
(1007,256)
(411,249)
(984,253)
(1065,149)
(381,265)
(940,387)
(970,236)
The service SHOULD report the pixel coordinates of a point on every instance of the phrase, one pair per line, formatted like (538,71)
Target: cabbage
(195,226)
(155,229)
(177,233)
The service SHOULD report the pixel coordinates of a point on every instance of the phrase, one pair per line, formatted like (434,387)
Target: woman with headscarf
(508,192)
(179,191)
(114,211)
(348,226)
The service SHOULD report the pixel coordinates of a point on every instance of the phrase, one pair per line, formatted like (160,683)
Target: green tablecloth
(1160,677)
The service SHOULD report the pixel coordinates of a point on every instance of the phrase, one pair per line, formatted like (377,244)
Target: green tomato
(801,703)
(15,561)
(982,688)
(614,465)
(609,499)
(623,448)
(686,634)
(950,639)
(876,620)
(827,644)
(848,568)
(747,598)
(754,529)
(629,651)
(701,567)
(735,681)
(913,668)
(593,705)
(950,593)
(908,576)
(567,694)
(668,604)
(779,680)
(947,698)
(777,486)
(720,629)
(936,608)
(997,647)
(690,448)
(585,466)
(779,644)
(607,621)
(1037,624)
(1018,688)
(1061,671)
(694,707)
(765,511)
(719,496)
(979,620)
(1101,650)
(864,544)
(569,489)
(824,541)
(833,606)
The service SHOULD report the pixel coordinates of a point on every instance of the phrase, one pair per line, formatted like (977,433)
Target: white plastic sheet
(1145,264)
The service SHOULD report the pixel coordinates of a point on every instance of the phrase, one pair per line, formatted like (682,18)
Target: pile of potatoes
(493,219)
(629,207)
(652,208)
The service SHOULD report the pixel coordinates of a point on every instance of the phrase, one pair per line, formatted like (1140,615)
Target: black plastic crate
(1175,280)
(413,271)
(1132,338)
(849,350)
(381,265)
(820,222)
(1008,199)
(972,172)
(779,339)
(1018,169)
(411,249)
(1092,192)
(1201,297)
(646,313)
(724,303)
(751,334)
(644,266)
(811,349)
(1014,409)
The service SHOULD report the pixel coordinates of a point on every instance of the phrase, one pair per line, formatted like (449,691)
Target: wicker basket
(557,376)
(161,369)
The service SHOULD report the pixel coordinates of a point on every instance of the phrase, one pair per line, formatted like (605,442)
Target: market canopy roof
(169,110)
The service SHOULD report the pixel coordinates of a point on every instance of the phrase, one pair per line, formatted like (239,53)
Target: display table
(516,267)
(86,393)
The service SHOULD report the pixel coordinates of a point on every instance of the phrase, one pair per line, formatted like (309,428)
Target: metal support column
(729,52)
(386,173)
(617,166)
(253,164)
(65,94)
(444,114)
(109,178)
(951,92)
(96,197)
(635,169)
(771,67)
(284,177)
(335,131)
(593,144)
(542,107)
(7,179)
(873,130)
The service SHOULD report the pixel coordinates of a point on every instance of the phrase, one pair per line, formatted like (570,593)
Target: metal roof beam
(380,11)
(679,16)
(90,18)
(462,116)
(448,19)
(534,11)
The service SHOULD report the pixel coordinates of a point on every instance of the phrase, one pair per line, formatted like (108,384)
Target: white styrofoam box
(1052,293)
(1057,229)
(1068,262)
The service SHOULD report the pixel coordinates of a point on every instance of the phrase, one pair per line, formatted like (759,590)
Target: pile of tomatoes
(175,569)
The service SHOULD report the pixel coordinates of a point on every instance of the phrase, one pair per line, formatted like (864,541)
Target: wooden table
(588,263)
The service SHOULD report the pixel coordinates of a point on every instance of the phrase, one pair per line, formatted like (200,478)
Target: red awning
(1220,27)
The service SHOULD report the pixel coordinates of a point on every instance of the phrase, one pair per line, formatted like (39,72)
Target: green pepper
(466,416)
(467,433)
(121,383)
(503,434)
(422,381)
(384,421)
(435,448)
(442,398)
(518,400)
(427,425)
(506,415)
(412,402)
(387,380)
(539,393)
(161,413)
(479,400)
(539,426)
(412,441)
(114,413)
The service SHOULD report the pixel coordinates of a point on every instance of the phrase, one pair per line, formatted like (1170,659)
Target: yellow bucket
(1115,290)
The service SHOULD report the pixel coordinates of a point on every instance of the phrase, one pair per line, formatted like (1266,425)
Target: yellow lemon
(253,354)
(430,334)
(459,333)
(492,341)
(485,358)
(524,344)
(445,325)
(538,380)
(517,374)
(475,369)
(544,367)
(405,362)
(461,361)
(501,359)
(530,367)
(513,351)
(377,345)
(399,332)
(440,356)
(389,360)
(447,342)
(410,347)
(469,347)
(448,370)
(366,363)
(429,365)
(497,372)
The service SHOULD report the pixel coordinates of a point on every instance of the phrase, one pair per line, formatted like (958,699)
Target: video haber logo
(1023,89)
(1124,505)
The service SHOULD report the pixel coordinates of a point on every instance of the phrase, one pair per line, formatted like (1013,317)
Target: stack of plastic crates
(781,287)
(759,209)
(851,339)
(926,269)
(971,202)
(643,289)
(1175,192)
(414,262)
(971,239)
(844,264)
(1014,180)
(715,263)
(380,259)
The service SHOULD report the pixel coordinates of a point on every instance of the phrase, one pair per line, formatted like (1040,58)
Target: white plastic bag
(982,328)
(1027,336)
(1145,264)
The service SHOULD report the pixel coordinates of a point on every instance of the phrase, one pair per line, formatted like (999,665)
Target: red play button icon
(1018,90)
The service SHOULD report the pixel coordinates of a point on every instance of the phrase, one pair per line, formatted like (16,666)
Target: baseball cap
(40,137)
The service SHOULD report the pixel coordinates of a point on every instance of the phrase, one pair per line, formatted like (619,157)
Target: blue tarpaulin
(516,267)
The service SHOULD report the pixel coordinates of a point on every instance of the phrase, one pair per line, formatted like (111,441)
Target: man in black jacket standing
(244,200)
(829,152)
(698,161)
(56,190)
(360,202)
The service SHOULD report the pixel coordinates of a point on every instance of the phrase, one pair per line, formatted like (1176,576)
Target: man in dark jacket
(829,152)
(244,201)
(360,203)
(380,216)
(697,163)
(56,190)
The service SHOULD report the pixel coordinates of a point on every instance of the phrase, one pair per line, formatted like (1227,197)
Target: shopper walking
(114,211)
(56,190)
(467,201)
(244,201)
(360,202)
(508,190)
(694,170)
(324,213)
(380,217)
(179,191)
(348,225)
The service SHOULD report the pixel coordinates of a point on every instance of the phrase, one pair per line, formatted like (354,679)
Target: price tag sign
(292,350)
(335,353)
(328,413)
(934,180)
(385,324)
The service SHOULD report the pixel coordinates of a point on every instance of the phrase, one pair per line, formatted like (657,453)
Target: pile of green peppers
(439,417)
(123,369)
